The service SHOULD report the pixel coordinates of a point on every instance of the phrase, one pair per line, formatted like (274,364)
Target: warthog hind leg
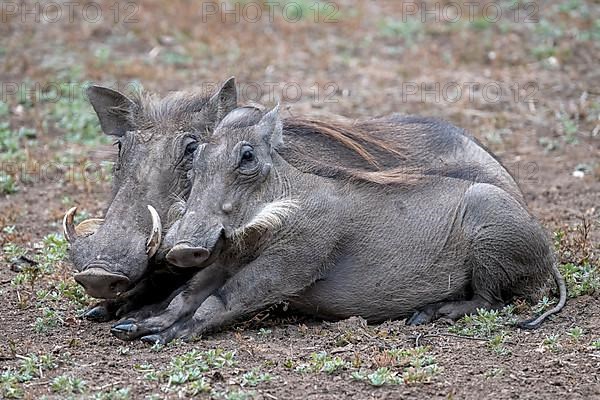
(452,310)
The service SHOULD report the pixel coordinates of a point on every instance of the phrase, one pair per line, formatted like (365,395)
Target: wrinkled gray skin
(157,138)
(340,245)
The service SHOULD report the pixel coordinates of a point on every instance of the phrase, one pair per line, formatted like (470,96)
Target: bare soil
(363,63)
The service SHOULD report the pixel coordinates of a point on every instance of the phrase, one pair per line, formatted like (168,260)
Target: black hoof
(418,318)
(153,339)
(97,314)
(125,330)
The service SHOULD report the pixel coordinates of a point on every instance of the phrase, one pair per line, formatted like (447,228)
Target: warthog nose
(184,255)
(102,284)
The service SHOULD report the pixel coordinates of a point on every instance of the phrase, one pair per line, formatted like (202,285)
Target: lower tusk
(155,238)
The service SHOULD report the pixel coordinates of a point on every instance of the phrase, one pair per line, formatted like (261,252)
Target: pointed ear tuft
(270,128)
(223,101)
(112,108)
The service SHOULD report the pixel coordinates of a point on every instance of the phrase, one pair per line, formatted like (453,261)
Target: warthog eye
(191,148)
(248,162)
(248,155)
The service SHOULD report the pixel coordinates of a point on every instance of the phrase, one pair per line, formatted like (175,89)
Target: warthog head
(156,139)
(230,200)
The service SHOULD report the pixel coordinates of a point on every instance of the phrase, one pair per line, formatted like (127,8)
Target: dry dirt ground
(523,77)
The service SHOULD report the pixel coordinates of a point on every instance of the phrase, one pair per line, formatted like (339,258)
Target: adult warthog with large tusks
(156,140)
(336,242)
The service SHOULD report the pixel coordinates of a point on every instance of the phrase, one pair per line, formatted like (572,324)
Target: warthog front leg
(256,286)
(145,297)
(178,307)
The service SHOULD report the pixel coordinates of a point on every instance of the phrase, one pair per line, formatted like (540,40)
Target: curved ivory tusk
(155,235)
(68,228)
(88,227)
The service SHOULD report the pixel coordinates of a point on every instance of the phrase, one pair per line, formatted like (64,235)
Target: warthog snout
(194,253)
(102,284)
(185,255)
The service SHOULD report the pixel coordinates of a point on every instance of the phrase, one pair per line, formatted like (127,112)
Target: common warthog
(381,245)
(113,255)
(156,139)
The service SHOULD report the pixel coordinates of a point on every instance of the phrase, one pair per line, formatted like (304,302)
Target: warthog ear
(223,101)
(112,109)
(270,128)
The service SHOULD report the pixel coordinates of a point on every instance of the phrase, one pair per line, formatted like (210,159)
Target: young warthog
(339,242)
(156,138)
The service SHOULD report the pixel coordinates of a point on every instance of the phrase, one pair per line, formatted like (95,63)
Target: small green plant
(544,304)
(10,146)
(9,229)
(596,344)
(114,394)
(65,384)
(486,323)
(10,388)
(8,185)
(323,362)
(581,279)
(53,250)
(494,372)
(198,387)
(49,320)
(234,395)
(575,333)
(551,343)
(255,377)
(497,344)
(13,252)
(75,293)
(382,376)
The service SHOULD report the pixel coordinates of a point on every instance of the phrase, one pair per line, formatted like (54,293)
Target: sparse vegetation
(255,377)
(189,368)
(575,333)
(369,54)
(551,343)
(323,362)
(66,384)
(405,366)
(114,394)
(75,116)
(30,367)
(486,323)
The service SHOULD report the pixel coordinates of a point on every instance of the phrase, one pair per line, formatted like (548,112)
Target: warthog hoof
(98,313)
(125,330)
(419,318)
(154,339)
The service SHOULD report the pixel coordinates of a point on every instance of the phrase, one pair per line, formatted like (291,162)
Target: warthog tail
(562,289)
